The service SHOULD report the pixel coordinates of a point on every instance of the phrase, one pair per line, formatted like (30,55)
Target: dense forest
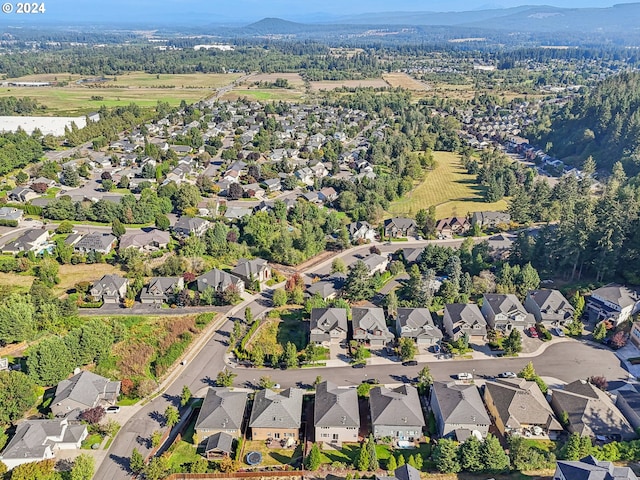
(20,106)
(18,150)
(603,124)
(586,236)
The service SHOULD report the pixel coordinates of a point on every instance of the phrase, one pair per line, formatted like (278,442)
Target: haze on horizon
(221,11)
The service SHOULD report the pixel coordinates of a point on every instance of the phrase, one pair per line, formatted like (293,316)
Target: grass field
(294,79)
(449,188)
(269,94)
(398,79)
(333,84)
(139,87)
(71,274)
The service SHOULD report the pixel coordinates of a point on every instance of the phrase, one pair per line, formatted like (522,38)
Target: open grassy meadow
(138,87)
(264,94)
(333,84)
(449,188)
(399,79)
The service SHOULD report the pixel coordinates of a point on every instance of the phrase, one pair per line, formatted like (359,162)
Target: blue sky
(214,11)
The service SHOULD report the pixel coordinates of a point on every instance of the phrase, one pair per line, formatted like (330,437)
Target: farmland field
(273,94)
(449,188)
(294,79)
(138,87)
(333,84)
(405,81)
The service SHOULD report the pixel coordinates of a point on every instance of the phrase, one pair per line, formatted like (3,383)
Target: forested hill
(605,124)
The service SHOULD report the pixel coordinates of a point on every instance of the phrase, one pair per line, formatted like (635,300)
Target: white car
(113,409)
(465,376)
(507,375)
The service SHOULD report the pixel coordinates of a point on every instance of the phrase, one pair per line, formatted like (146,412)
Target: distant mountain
(274,26)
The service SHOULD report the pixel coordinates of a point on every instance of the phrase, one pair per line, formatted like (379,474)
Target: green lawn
(275,333)
(350,451)
(272,456)
(90,440)
(269,94)
(449,188)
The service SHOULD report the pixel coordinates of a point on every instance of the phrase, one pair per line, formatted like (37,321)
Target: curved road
(566,361)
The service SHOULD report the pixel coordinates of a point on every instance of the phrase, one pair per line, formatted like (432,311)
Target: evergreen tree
(50,361)
(291,355)
(470,455)
(494,457)
(314,459)
(117,228)
(401,460)
(171,416)
(373,456)
(391,463)
(185,397)
(446,456)
(512,345)
(359,284)
(600,332)
(362,463)
(136,461)
(572,449)
(83,467)
(412,461)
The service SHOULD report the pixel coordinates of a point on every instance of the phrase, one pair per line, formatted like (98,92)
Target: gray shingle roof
(219,442)
(31,437)
(466,315)
(96,241)
(217,279)
(420,322)
(327,319)
(460,404)
(552,304)
(618,294)
(591,412)
(589,468)
(246,268)
(370,319)
(520,402)
(222,409)
(400,406)
(86,388)
(336,407)
(278,410)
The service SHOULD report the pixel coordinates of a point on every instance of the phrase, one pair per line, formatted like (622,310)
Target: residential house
(549,307)
(10,214)
(219,280)
(519,406)
(589,468)
(96,242)
(276,415)
(634,336)
(47,181)
(405,472)
(21,195)
(37,440)
(305,175)
(235,212)
(186,226)
(448,227)
(222,411)
(376,263)
(273,184)
(396,413)
(464,319)
(458,410)
(369,326)
(327,195)
(336,416)
(252,270)
(328,326)
(161,289)
(412,255)
(505,312)
(218,445)
(361,231)
(490,219)
(400,227)
(148,241)
(33,240)
(329,287)
(613,302)
(628,402)
(82,391)
(590,412)
(417,323)
(109,289)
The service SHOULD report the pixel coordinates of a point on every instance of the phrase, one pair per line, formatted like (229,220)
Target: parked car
(112,409)
(558,331)
(276,385)
(371,381)
(507,375)
(465,376)
(434,348)
(410,363)
(358,365)
(533,332)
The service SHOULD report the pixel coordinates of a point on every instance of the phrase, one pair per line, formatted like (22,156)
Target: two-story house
(361,231)
(458,410)
(590,468)
(82,391)
(417,324)
(161,289)
(613,302)
(222,412)
(369,326)
(256,270)
(328,326)
(336,414)
(549,307)
(109,289)
(504,312)
(276,416)
(398,227)
(186,226)
(219,280)
(396,413)
(464,319)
